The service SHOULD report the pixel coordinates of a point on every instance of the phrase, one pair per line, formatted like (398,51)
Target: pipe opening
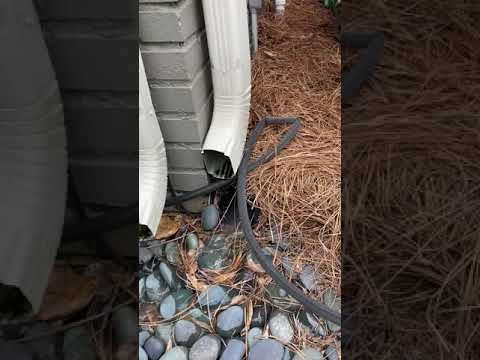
(218,164)
(13,299)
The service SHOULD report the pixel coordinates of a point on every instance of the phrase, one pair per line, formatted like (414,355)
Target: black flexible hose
(310,305)
(363,70)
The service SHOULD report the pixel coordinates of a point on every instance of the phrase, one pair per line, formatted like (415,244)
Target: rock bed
(210,301)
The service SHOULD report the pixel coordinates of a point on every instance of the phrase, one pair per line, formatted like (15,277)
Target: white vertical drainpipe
(226,23)
(33,155)
(152,170)
(280,6)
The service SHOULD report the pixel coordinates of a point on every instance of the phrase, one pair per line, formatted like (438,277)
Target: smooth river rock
(234,351)
(186,333)
(230,321)
(215,255)
(206,348)
(280,327)
(154,348)
(266,349)
(168,307)
(213,297)
(309,354)
(176,353)
(210,217)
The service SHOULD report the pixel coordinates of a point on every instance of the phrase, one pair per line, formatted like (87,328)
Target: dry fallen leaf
(239,299)
(67,293)
(148,313)
(254,266)
(169,225)
(226,275)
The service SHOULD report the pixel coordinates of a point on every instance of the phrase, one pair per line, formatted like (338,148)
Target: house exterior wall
(174,48)
(93,45)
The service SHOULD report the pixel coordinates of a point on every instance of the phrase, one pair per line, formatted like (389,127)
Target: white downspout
(280,6)
(152,169)
(226,23)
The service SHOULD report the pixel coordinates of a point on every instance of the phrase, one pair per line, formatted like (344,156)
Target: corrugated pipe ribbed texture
(33,177)
(152,158)
(226,25)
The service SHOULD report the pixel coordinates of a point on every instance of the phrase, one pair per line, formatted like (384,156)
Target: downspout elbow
(226,25)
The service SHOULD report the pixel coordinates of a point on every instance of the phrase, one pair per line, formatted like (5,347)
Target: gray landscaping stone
(266,349)
(171,253)
(192,241)
(213,297)
(309,354)
(215,255)
(164,332)
(186,333)
(287,355)
(329,297)
(277,297)
(199,315)
(77,344)
(253,335)
(183,298)
(168,307)
(142,337)
(307,277)
(206,348)
(176,353)
(157,249)
(331,353)
(230,321)
(124,325)
(168,274)
(317,327)
(142,355)
(331,300)
(234,351)
(43,347)
(144,255)
(154,347)
(288,265)
(210,217)
(280,327)
(155,289)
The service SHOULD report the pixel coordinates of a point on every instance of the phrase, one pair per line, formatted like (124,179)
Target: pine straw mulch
(411,215)
(296,72)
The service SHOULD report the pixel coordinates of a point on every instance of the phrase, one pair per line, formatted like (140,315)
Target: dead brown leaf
(239,299)
(169,225)
(148,313)
(67,293)
(226,275)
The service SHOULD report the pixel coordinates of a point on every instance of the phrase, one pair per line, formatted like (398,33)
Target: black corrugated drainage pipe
(33,157)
